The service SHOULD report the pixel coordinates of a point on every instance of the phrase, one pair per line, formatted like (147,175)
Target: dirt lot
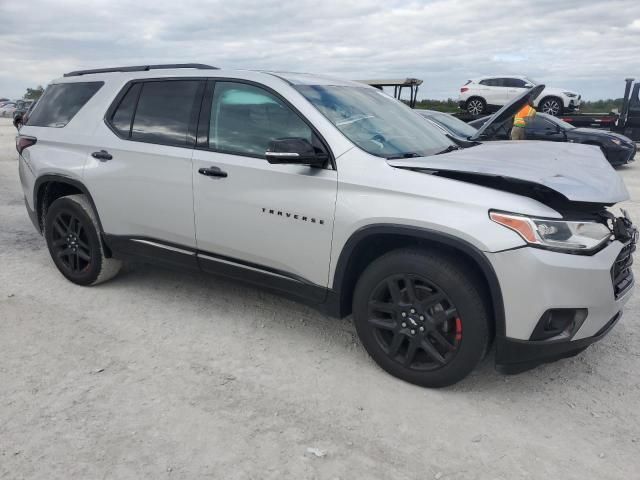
(166,374)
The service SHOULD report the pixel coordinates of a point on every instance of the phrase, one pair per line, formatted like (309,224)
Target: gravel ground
(166,374)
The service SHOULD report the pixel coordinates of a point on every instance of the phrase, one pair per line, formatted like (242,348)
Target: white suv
(333,193)
(487,94)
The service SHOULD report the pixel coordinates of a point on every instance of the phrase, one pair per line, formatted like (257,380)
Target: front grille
(621,273)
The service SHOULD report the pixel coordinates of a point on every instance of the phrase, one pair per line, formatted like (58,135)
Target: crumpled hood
(580,173)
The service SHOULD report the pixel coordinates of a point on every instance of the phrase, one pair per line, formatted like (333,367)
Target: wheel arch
(49,187)
(369,243)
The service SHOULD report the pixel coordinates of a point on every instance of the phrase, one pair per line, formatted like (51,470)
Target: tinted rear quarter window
(123,115)
(164,112)
(60,103)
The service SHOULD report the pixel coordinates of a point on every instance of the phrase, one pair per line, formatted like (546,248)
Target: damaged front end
(578,272)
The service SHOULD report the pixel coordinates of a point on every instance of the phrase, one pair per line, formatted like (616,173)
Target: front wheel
(73,238)
(421,317)
(552,106)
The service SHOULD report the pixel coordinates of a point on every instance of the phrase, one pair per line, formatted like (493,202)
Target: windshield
(375,122)
(452,124)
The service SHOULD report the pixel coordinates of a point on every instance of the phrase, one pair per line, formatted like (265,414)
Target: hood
(558,91)
(506,112)
(578,173)
(603,133)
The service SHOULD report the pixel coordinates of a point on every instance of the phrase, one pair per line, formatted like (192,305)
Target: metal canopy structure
(398,85)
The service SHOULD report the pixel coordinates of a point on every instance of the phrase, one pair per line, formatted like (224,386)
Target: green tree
(34,93)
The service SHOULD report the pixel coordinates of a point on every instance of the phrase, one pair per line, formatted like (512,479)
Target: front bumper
(515,356)
(534,281)
(626,153)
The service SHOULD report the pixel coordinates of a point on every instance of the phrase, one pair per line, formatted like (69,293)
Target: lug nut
(413,332)
(404,314)
(421,317)
(404,324)
(413,310)
(421,329)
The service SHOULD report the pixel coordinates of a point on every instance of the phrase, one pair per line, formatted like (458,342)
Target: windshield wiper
(405,155)
(450,148)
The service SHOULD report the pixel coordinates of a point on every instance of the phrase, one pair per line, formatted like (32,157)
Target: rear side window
(164,112)
(60,103)
(123,115)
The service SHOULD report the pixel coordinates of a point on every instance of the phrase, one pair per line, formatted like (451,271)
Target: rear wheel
(551,106)
(73,238)
(476,106)
(421,316)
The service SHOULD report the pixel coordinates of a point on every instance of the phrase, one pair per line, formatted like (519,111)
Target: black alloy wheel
(73,238)
(70,243)
(422,315)
(415,322)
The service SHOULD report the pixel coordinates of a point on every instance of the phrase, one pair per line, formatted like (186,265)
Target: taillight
(463,89)
(23,141)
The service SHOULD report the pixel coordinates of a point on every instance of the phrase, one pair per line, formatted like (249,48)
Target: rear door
(513,88)
(274,221)
(141,180)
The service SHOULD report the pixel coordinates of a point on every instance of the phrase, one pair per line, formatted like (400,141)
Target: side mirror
(296,151)
(528,85)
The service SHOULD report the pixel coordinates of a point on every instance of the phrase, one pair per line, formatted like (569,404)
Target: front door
(274,221)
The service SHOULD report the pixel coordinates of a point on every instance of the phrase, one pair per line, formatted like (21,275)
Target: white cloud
(589,46)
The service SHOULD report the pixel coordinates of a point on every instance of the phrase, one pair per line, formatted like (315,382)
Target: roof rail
(141,68)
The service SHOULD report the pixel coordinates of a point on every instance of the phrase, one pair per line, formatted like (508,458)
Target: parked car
(461,131)
(7,109)
(617,148)
(425,243)
(20,113)
(627,122)
(488,94)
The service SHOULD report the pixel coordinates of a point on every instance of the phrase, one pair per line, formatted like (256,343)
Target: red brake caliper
(458,336)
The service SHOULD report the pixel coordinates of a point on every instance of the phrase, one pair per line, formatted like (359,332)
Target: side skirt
(171,255)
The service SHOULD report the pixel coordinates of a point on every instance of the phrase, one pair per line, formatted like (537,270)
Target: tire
(551,106)
(436,305)
(73,239)
(476,106)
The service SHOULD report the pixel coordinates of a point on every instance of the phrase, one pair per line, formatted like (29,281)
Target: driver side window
(245,118)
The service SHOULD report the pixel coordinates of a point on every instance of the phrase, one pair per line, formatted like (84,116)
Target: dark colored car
(617,148)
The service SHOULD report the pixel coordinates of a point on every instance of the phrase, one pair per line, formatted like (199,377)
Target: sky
(583,45)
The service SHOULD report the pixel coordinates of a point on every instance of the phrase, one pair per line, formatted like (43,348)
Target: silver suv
(333,193)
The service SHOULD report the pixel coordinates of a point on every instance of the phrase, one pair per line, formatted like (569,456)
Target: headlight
(616,141)
(567,236)
(570,94)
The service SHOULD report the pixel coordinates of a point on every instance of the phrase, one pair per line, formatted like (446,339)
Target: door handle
(102,155)
(212,172)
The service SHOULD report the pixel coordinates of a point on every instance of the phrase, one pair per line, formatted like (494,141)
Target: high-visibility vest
(521,117)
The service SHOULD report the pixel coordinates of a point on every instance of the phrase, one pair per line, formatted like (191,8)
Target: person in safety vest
(522,118)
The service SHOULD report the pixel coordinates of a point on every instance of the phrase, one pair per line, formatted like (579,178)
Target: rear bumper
(515,356)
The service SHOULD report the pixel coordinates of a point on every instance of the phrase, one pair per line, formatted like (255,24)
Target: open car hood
(578,173)
(505,113)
